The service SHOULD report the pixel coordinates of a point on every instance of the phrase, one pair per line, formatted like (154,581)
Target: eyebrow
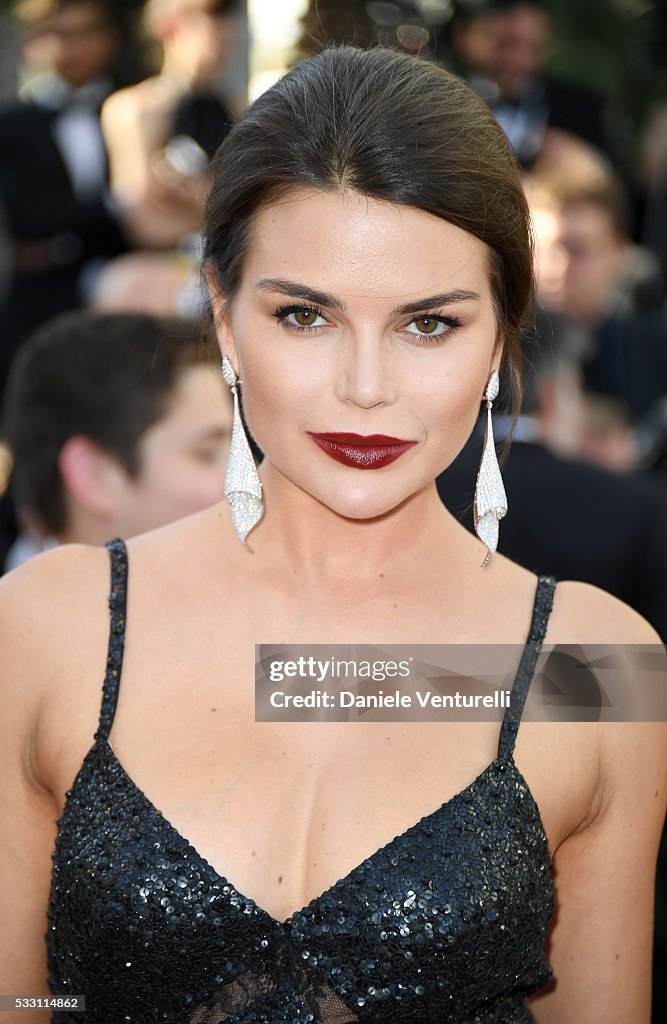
(443,299)
(304,291)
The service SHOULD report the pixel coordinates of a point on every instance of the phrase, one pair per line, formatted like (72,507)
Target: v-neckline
(285,924)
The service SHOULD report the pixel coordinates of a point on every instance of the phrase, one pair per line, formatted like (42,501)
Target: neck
(318,545)
(84,528)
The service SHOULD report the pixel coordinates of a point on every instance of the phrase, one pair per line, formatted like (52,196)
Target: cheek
(286,387)
(452,397)
(186,485)
(205,486)
(293,387)
(449,414)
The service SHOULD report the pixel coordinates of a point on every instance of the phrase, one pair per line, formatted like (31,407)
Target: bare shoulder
(65,568)
(48,608)
(586,614)
(51,608)
(605,868)
(195,546)
(632,755)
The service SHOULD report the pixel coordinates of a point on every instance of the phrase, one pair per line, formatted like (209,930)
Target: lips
(370,451)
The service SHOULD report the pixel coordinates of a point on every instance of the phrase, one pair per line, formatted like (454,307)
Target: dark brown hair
(392,127)
(609,197)
(108,377)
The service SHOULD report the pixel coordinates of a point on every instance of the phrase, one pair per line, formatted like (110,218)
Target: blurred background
(112,415)
(110,113)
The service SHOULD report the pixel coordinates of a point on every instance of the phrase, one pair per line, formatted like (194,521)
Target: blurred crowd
(113,415)
(102,186)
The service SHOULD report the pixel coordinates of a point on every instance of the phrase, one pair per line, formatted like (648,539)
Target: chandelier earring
(243,488)
(490,503)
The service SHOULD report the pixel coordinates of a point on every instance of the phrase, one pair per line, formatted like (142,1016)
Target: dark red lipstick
(370,451)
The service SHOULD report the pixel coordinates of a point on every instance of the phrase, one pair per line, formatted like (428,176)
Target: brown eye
(427,324)
(432,326)
(301,318)
(305,317)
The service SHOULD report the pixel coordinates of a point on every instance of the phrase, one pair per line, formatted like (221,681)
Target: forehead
(586,218)
(361,246)
(196,395)
(526,20)
(76,13)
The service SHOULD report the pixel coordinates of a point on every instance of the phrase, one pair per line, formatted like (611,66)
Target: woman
(369,265)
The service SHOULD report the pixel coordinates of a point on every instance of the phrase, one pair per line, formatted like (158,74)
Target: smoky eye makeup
(429,326)
(309,315)
(428,323)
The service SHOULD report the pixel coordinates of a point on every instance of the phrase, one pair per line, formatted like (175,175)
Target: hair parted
(392,127)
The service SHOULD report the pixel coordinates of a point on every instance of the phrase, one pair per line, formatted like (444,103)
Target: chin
(365,503)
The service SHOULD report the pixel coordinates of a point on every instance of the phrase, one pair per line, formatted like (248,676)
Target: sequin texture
(447,922)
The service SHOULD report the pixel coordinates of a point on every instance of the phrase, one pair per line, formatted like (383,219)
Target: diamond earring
(243,488)
(490,499)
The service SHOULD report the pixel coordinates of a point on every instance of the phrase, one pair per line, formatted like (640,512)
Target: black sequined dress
(445,924)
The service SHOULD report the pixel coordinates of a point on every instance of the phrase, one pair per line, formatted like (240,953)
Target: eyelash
(283,312)
(452,322)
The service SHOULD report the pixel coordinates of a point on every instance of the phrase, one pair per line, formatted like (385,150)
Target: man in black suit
(607,291)
(53,170)
(567,518)
(528,102)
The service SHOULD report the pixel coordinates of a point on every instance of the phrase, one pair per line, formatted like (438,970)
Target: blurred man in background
(610,287)
(503,46)
(53,167)
(117,424)
(568,518)
(589,269)
(474,33)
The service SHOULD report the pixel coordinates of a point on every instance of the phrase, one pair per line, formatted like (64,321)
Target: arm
(134,124)
(158,210)
(37,604)
(27,828)
(27,811)
(601,940)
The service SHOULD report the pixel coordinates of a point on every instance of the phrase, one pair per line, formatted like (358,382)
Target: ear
(92,477)
(221,317)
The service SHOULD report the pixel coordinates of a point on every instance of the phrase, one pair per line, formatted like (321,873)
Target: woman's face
(356,316)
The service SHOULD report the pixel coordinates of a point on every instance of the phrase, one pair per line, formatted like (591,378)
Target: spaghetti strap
(117,609)
(544,594)
(180,943)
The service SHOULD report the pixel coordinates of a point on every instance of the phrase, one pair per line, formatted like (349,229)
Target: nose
(366,375)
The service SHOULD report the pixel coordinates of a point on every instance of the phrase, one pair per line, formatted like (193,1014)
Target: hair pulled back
(392,127)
